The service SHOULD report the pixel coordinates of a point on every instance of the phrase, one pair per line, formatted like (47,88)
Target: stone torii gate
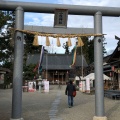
(97,12)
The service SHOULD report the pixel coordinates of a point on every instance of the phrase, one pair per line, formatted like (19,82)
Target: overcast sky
(111,25)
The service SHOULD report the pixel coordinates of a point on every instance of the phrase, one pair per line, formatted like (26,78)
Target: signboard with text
(60,18)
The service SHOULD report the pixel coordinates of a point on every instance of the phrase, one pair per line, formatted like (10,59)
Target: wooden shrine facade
(112,68)
(56,67)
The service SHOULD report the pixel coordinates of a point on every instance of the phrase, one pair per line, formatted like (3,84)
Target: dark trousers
(70,100)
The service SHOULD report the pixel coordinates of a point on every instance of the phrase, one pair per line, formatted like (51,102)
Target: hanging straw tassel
(35,41)
(47,41)
(69,42)
(80,42)
(58,42)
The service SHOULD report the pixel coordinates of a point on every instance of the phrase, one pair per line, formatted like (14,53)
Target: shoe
(69,106)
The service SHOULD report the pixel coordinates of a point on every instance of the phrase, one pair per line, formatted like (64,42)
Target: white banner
(87,85)
(82,86)
(31,86)
(46,86)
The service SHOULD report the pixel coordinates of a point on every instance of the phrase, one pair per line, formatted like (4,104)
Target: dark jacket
(69,89)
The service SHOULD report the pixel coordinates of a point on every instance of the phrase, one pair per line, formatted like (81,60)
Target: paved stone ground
(53,106)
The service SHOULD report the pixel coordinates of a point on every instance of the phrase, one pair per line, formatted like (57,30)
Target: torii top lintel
(50,8)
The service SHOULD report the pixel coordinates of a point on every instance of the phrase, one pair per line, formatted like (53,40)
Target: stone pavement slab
(53,106)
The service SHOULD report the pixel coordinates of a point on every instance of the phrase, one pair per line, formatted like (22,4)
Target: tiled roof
(115,55)
(56,61)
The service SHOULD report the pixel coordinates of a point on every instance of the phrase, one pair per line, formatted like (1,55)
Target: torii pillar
(98,63)
(18,66)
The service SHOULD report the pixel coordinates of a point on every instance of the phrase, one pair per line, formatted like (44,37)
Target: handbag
(74,93)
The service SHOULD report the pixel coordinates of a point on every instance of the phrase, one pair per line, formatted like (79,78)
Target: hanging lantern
(47,41)
(58,42)
(80,42)
(69,42)
(35,41)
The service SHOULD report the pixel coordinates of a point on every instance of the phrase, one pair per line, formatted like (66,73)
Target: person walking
(70,88)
